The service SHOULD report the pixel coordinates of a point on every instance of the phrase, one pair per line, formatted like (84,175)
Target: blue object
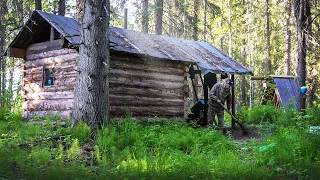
(202,101)
(303,90)
(49,82)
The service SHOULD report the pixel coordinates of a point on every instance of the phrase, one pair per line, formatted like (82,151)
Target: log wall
(143,86)
(58,98)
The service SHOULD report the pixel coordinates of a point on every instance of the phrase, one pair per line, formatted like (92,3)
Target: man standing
(219,93)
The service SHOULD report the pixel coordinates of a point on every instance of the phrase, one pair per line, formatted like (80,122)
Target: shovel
(243,128)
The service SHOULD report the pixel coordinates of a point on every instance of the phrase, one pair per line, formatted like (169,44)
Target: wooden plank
(44,46)
(16,52)
(257,78)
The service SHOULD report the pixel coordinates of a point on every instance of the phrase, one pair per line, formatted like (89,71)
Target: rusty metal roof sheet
(288,90)
(208,58)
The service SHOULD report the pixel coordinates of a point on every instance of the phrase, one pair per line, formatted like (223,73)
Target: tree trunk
(313,86)
(3,11)
(145,16)
(288,39)
(62,7)
(38,4)
(268,59)
(195,9)
(303,19)
(159,13)
(204,20)
(230,29)
(91,103)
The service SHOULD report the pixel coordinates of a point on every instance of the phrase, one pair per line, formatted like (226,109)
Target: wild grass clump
(292,152)
(260,114)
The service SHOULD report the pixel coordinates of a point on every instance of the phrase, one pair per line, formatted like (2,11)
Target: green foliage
(259,114)
(82,132)
(159,150)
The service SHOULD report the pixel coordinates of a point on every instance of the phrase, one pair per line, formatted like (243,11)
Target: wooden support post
(52,33)
(125,25)
(205,93)
(233,124)
(185,94)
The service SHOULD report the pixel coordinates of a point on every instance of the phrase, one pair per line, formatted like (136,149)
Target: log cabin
(148,73)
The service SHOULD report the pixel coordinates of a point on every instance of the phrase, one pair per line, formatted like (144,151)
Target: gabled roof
(208,58)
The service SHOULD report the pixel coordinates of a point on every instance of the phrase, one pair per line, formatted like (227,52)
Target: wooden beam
(257,78)
(16,52)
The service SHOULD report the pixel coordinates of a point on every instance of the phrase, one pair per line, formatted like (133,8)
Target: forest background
(261,34)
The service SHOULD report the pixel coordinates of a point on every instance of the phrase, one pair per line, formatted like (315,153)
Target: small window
(48,78)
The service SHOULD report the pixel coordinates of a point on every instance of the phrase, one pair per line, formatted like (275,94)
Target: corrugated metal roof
(208,58)
(288,90)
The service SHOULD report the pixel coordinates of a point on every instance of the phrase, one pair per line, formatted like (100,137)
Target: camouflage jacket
(219,92)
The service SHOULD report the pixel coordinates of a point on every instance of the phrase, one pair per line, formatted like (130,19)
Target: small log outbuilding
(148,74)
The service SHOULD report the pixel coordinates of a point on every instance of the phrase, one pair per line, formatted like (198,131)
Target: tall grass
(158,150)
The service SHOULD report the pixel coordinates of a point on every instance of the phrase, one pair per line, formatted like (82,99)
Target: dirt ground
(239,135)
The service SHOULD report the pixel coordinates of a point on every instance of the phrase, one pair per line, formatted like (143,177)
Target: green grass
(154,149)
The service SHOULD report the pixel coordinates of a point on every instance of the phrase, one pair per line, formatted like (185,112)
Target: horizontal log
(31,88)
(145,92)
(50,95)
(145,83)
(44,46)
(63,114)
(146,60)
(51,54)
(145,75)
(48,105)
(138,101)
(51,60)
(146,111)
(136,66)
(63,65)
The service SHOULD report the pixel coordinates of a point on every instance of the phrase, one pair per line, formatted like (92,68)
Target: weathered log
(48,105)
(51,54)
(38,88)
(63,114)
(145,75)
(138,66)
(147,110)
(124,100)
(50,95)
(146,60)
(51,60)
(145,92)
(145,83)
(44,46)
